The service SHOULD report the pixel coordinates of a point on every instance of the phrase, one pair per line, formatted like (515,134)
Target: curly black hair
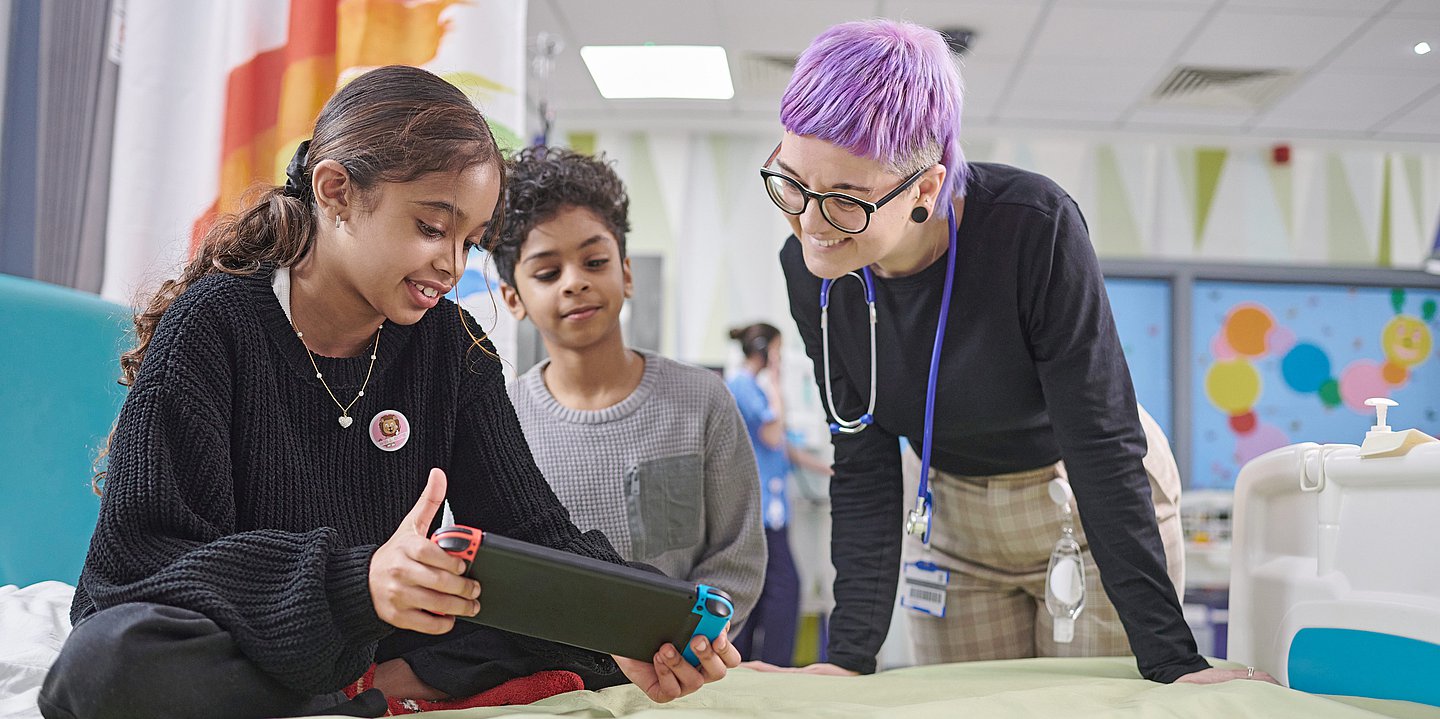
(545,180)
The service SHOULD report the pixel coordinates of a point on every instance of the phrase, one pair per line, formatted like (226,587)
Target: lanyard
(918,522)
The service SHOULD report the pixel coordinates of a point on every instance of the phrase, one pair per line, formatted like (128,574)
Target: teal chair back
(59,352)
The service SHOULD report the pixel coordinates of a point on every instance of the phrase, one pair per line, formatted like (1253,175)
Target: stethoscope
(918,522)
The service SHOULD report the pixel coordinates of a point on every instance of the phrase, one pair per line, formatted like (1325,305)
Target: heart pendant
(345,421)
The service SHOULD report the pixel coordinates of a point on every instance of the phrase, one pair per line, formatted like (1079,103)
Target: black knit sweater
(234,492)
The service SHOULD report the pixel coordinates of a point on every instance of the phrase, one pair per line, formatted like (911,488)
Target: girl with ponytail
(260,548)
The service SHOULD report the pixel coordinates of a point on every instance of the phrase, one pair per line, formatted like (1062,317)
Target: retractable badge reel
(1065,577)
(918,522)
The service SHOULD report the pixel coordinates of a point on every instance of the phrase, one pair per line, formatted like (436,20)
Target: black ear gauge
(920,214)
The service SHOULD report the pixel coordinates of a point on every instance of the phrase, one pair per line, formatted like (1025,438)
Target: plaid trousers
(995,534)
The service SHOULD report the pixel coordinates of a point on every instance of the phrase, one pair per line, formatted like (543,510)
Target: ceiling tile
(1002,30)
(635,22)
(1389,45)
(1097,92)
(1141,4)
(1234,38)
(1333,7)
(785,28)
(1423,119)
(1418,8)
(1113,33)
(1345,102)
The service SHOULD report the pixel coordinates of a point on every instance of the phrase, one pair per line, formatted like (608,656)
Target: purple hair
(885,90)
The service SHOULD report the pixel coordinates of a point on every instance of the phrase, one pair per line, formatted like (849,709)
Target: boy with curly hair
(648,450)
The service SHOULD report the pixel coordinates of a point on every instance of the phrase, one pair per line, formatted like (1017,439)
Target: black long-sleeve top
(234,492)
(1031,371)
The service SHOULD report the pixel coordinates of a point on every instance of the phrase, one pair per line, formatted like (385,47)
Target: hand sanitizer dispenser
(1381,441)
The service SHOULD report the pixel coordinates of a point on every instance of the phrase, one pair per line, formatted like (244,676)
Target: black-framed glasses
(845,213)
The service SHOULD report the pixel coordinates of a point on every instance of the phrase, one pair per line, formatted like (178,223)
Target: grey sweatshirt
(667,474)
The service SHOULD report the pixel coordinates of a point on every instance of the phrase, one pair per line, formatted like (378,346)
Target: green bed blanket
(1051,688)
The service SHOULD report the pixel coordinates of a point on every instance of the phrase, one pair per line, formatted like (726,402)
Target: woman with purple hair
(993,265)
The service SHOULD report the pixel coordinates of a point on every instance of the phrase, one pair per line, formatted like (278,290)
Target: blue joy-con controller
(714,608)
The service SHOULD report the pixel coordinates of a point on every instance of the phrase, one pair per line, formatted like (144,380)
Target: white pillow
(34,621)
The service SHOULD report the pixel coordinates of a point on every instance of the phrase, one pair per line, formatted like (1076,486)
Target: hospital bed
(1068,688)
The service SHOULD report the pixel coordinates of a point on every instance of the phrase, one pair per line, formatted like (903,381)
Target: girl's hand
(668,676)
(414,584)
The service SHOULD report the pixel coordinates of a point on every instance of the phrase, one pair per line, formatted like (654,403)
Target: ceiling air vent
(761,73)
(1222,87)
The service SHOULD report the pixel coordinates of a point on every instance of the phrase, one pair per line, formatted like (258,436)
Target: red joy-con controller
(459,541)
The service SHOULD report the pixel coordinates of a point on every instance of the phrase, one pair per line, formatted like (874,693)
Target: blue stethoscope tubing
(918,522)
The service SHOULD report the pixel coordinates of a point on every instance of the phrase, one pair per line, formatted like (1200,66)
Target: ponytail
(755,339)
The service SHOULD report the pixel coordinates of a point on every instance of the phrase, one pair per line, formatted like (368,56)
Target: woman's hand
(668,676)
(1216,675)
(414,584)
(773,362)
(820,669)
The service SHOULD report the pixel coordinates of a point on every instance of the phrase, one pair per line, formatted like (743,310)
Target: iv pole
(546,48)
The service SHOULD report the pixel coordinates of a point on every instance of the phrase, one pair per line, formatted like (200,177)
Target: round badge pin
(389,430)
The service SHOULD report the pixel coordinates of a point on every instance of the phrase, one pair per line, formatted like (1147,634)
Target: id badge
(923,588)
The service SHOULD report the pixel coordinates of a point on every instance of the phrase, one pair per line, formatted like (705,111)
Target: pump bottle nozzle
(1381,405)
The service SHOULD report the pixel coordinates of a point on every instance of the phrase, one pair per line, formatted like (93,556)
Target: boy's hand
(668,676)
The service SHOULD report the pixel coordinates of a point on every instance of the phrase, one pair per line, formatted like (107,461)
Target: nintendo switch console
(584,602)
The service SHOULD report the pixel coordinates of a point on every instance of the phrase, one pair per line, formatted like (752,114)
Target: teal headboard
(59,352)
